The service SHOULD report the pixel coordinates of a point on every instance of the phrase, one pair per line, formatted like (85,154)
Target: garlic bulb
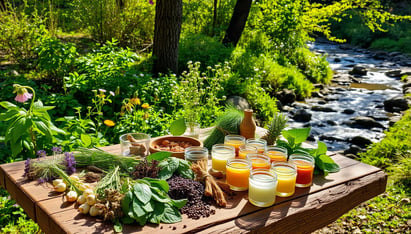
(84,208)
(71,196)
(81,199)
(94,211)
(61,187)
(57,181)
(91,199)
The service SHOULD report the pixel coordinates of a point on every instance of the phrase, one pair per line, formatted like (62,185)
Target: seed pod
(57,181)
(84,208)
(91,199)
(71,196)
(61,187)
(81,199)
(94,211)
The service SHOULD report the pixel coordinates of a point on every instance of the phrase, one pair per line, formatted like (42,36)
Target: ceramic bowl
(183,142)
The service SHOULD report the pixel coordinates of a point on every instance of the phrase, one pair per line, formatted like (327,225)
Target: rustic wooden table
(307,210)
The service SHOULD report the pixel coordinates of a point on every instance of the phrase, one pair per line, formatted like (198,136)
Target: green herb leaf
(86,139)
(137,209)
(296,135)
(158,212)
(161,184)
(160,195)
(178,127)
(171,214)
(329,164)
(159,156)
(179,203)
(148,207)
(142,192)
(142,220)
(117,226)
(184,169)
(168,167)
(125,203)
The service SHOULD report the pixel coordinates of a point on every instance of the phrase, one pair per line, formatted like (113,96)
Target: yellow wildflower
(109,123)
(145,106)
(135,101)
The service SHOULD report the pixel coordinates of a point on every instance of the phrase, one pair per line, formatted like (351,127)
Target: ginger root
(212,189)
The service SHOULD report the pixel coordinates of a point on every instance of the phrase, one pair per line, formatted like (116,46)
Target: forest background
(90,64)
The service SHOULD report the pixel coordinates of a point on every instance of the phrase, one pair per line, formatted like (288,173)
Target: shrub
(19,34)
(200,48)
(315,67)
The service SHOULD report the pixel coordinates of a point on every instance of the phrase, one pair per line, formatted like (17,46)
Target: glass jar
(276,153)
(220,153)
(237,174)
(259,161)
(262,187)
(286,176)
(246,149)
(234,140)
(136,144)
(305,169)
(260,144)
(195,154)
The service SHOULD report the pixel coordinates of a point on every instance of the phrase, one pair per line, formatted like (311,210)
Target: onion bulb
(71,196)
(94,211)
(57,181)
(84,208)
(61,187)
(91,199)
(81,199)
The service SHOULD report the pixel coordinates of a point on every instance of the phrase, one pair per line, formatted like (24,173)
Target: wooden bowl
(159,140)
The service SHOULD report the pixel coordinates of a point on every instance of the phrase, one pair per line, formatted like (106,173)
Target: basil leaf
(137,210)
(142,192)
(179,203)
(173,163)
(171,215)
(159,156)
(148,207)
(296,135)
(161,184)
(125,203)
(178,127)
(160,195)
(329,164)
(158,212)
(184,169)
(168,167)
(142,220)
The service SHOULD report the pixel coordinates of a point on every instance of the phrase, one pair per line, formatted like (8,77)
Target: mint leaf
(297,135)
(178,127)
(329,164)
(179,203)
(137,209)
(158,212)
(171,215)
(142,192)
(159,156)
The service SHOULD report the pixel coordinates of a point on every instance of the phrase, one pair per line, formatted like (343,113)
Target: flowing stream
(349,97)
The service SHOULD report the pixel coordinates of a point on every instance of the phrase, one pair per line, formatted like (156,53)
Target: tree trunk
(237,23)
(166,35)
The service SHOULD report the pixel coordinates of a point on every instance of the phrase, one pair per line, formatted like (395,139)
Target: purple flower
(151,2)
(26,168)
(41,153)
(102,90)
(41,181)
(70,163)
(56,149)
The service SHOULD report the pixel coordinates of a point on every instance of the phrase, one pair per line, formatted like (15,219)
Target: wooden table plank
(307,214)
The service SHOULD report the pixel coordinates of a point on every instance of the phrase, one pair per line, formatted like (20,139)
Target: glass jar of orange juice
(237,173)
(234,140)
(259,161)
(276,153)
(246,149)
(260,144)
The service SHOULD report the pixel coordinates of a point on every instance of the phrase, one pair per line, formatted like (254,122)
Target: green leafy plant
(170,166)
(28,129)
(147,201)
(294,139)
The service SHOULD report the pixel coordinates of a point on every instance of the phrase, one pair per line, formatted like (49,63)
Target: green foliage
(401,45)
(177,166)
(55,58)
(13,218)
(19,34)
(30,129)
(294,139)
(201,48)
(148,201)
(131,23)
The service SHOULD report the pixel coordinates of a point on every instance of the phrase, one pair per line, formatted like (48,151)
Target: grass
(391,211)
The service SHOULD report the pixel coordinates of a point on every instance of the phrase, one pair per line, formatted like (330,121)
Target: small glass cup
(135,144)
(193,130)
(286,176)
(276,153)
(237,173)
(260,144)
(196,154)
(262,187)
(234,140)
(259,161)
(305,169)
(220,153)
(246,149)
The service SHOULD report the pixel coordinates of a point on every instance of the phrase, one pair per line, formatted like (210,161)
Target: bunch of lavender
(58,166)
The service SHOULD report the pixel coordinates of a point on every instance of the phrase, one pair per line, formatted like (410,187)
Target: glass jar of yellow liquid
(276,153)
(220,153)
(246,149)
(259,161)
(262,186)
(286,176)
(260,144)
(237,173)
(234,140)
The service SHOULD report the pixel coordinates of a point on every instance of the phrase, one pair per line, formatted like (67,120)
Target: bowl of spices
(174,144)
